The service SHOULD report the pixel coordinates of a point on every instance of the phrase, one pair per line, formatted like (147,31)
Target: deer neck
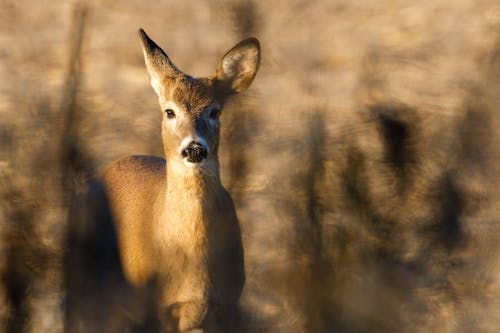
(190,201)
(191,183)
(188,208)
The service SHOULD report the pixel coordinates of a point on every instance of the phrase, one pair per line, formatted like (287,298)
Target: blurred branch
(74,162)
(243,17)
(314,188)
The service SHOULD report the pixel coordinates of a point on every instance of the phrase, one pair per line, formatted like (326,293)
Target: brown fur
(176,223)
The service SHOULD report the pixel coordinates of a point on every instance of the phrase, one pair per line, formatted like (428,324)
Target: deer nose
(195,152)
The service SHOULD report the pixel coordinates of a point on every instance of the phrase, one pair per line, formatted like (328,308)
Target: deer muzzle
(195,152)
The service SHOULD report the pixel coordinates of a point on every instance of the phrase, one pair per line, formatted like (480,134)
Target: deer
(176,223)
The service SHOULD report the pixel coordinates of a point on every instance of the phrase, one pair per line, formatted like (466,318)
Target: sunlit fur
(176,223)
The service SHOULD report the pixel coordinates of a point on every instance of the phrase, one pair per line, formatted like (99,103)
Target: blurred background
(363,160)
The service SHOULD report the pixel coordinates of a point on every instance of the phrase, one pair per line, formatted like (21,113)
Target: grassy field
(363,160)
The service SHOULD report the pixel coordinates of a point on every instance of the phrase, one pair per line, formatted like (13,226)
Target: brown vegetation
(363,160)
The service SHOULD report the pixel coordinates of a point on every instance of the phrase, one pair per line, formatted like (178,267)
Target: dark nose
(194,152)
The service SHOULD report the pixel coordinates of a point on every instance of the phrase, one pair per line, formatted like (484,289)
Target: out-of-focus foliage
(363,160)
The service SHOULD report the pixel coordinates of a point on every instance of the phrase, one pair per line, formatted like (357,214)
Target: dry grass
(363,160)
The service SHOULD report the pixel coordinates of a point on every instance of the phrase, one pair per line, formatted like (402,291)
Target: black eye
(170,113)
(214,114)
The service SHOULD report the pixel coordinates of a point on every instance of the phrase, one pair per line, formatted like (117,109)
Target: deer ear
(238,67)
(157,62)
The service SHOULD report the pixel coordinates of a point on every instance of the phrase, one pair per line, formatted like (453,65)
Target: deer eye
(170,113)
(214,114)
